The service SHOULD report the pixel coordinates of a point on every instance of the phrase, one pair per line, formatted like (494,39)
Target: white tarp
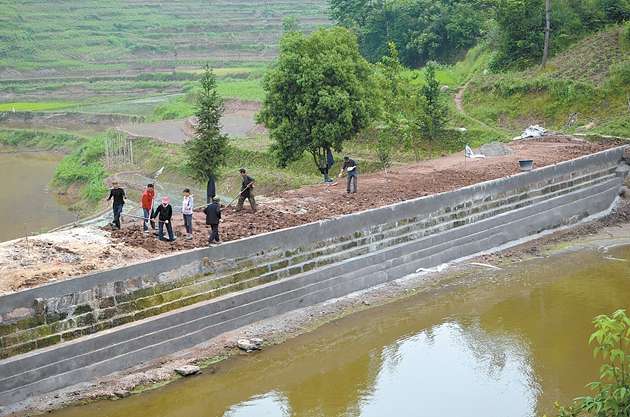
(469,153)
(534,131)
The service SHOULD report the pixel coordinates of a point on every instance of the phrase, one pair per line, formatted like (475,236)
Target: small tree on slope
(434,115)
(206,152)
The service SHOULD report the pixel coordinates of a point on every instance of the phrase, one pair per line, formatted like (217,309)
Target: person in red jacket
(147,206)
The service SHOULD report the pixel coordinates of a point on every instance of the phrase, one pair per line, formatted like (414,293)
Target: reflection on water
(27,204)
(506,344)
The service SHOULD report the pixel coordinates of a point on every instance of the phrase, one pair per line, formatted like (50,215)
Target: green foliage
(423,29)
(206,152)
(590,79)
(434,115)
(611,394)
(90,35)
(84,167)
(290,24)
(518,37)
(36,106)
(394,126)
(38,139)
(320,93)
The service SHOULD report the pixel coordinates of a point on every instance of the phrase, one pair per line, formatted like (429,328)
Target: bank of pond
(481,343)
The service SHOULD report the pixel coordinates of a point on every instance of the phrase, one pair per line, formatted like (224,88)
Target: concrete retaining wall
(172,303)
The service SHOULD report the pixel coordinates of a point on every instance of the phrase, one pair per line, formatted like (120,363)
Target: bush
(84,167)
(612,392)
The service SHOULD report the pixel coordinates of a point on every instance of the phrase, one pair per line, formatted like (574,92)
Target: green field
(35,106)
(47,39)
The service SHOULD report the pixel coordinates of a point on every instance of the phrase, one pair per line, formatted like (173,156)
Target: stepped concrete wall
(53,336)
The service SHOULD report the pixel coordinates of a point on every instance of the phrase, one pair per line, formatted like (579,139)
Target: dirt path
(75,252)
(459,105)
(238,121)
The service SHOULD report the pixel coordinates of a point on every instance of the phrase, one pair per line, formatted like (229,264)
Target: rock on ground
(188,370)
(495,149)
(249,345)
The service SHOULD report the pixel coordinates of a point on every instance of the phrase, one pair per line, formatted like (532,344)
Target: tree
(520,27)
(206,152)
(394,125)
(423,29)
(290,24)
(547,32)
(434,112)
(612,392)
(319,93)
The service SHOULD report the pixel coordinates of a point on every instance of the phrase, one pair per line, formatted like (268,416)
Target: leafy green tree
(423,29)
(521,33)
(394,126)
(611,396)
(319,93)
(290,24)
(206,152)
(434,112)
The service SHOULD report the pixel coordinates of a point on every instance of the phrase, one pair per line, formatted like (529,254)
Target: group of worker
(163,213)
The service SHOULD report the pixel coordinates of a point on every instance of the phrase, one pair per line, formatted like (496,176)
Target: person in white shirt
(187,212)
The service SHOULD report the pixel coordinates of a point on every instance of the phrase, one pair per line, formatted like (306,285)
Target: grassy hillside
(42,38)
(88,55)
(585,89)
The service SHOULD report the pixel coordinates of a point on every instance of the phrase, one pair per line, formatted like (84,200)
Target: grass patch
(36,139)
(184,106)
(36,106)
(84,167)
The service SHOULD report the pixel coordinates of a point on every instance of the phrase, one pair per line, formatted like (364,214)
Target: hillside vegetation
(43,38)
(586,88)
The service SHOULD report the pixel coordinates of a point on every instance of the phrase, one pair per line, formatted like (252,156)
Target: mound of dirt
(60,255)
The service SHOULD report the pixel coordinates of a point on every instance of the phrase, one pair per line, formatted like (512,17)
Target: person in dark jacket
(247,191)
(349,168)
(164,213)
(213,217)
(118,194)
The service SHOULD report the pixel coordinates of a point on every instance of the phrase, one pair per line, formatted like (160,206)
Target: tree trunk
(547,32)
(211,190)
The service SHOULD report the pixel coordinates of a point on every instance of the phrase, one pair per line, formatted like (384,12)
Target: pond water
(503,344)
(27,204)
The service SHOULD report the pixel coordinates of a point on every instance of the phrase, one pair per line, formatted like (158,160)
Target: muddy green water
(502,344)
(26,203)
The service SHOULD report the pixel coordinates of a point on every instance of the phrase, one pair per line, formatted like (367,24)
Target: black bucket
(526,164)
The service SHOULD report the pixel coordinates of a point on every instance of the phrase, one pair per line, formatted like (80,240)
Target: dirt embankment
(22,266)
(317,202)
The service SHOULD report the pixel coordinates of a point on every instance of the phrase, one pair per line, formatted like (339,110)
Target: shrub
(611,396)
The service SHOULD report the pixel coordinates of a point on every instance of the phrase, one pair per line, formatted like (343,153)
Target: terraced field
(48,39)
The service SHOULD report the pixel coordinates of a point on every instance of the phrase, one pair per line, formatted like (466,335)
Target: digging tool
(239,194)
(139,217)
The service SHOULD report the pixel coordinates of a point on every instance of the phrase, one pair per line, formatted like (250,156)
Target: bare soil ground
(238,121)
(19,269)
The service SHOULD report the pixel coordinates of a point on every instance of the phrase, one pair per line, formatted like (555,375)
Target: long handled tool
(239,194)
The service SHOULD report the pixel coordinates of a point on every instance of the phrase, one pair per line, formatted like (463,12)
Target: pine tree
(206,152)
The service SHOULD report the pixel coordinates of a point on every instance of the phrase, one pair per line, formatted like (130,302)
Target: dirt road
(47,261)
(238,121)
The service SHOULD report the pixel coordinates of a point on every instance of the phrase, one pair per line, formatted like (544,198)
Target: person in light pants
(187,212)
